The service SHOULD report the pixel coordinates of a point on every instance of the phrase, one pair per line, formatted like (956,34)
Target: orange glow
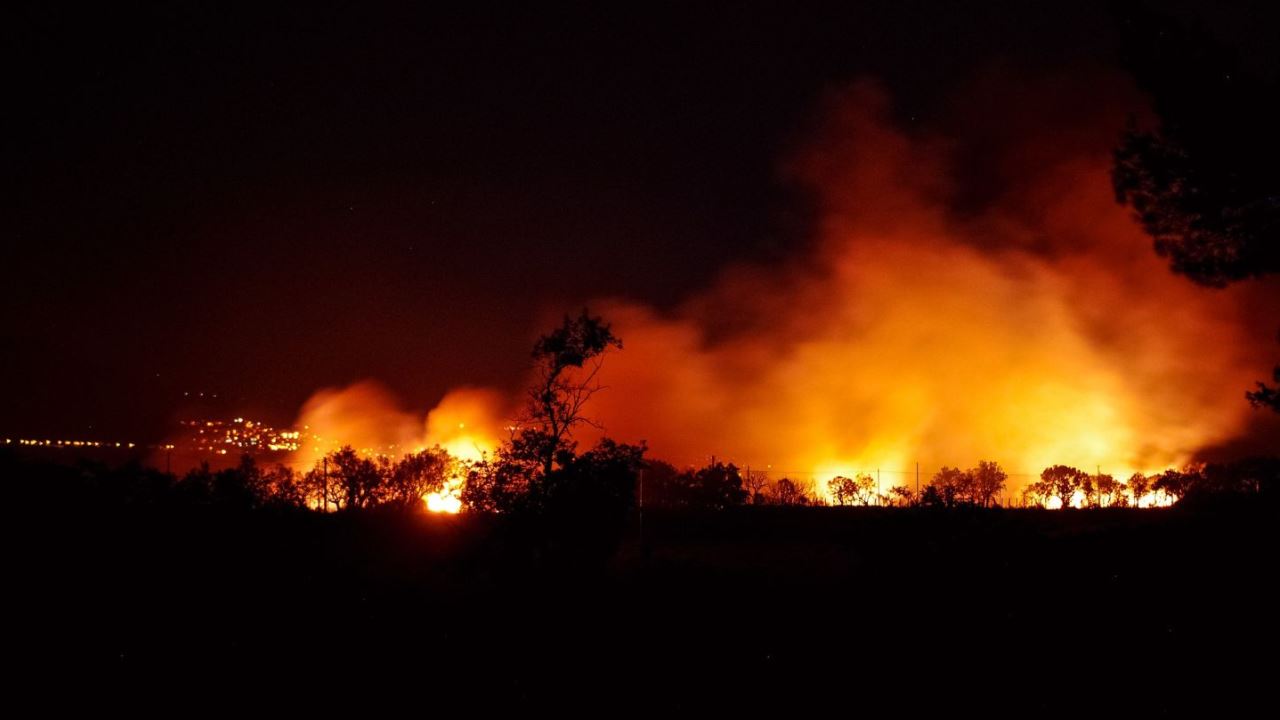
(466,423)
(1041,330)
(447,500)
(1034,328)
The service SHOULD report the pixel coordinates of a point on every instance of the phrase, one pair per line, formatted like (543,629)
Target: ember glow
(1038,329)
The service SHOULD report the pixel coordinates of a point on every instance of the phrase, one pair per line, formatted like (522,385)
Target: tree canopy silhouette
(537,472)
(566,364)
(976,486)
(1203,183)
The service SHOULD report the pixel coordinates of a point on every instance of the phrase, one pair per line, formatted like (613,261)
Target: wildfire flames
(368,418)
(1033,327)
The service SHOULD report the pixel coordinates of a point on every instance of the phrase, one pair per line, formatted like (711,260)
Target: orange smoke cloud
(467,422)
(1040,329)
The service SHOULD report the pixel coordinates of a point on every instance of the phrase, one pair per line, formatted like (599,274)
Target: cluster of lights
(240,435)
(30,442)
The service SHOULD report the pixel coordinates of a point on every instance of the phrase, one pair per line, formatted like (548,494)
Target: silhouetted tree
(788,492)
(986,482)
(1137,485)
(1203,183)
(1107,490)
(951,486)
(537,471)
(604,478)
(1037,493)
(932,497)
(755,482)
(598,485)
(1062,481)
(314,486)
(502,483)
(716,486)
(1089,491)
(353,481)
(661,484)
(417,475)
(1176,484)
(196,486)
(976,486)
(1266,396)
(843,490)
(283,488)
(864,489)
(1258,477)
(566,363)
(242,486)
(902,495)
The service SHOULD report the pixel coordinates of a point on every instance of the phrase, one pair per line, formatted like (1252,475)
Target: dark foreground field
(764,609)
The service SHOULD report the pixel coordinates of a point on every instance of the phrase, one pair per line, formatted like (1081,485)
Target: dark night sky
(259,202)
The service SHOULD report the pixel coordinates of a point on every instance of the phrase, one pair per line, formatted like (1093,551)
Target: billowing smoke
(466,422)
(935,319)
(1036,328)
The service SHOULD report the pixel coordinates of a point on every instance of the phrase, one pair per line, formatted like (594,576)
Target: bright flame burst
(465,425)
(448,500)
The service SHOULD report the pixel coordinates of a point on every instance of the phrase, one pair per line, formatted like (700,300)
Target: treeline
(720,485)
(1254,479)
(513,481)
(341,480)
(608,479)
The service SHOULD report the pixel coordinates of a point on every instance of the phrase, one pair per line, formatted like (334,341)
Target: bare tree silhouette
(567,362)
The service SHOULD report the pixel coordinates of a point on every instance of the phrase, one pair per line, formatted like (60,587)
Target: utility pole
(917,482)
(324,486)
(640,513)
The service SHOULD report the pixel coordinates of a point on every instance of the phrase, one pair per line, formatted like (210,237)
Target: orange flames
(1036,327)
(1040,329)
(367,417)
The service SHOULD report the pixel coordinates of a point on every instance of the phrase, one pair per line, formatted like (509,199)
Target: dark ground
(1007,612)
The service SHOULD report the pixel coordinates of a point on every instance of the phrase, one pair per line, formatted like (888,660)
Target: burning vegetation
(923,327)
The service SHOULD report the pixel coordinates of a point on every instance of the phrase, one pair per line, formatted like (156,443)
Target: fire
(448,500)
(1036,329)
(1148,500)
(466,423)
(1032,325)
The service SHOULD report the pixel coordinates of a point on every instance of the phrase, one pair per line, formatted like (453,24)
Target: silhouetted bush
(714,487)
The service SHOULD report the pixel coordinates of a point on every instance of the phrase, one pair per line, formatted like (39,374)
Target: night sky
(260,202)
